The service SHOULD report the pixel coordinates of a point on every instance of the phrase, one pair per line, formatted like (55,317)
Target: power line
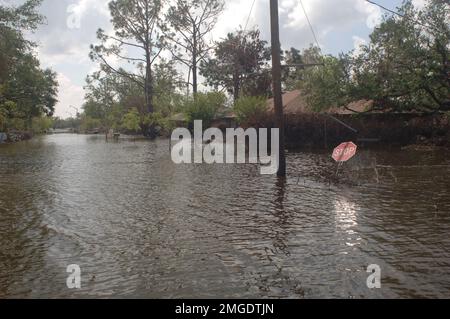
(404,16)
(249,15)
(310,26)
(386,9)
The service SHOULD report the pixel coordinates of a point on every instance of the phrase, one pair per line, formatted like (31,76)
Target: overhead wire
(429,27)
(310,26)
(249,15)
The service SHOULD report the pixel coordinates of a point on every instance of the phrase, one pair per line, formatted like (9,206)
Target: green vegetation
(148,94)
(41,124)
(131,120)
(204,107)
(404,67)
(327,86)
(69,123)
(88,124)
(27,92)
(133,21)
(238,65)
(189,24)
(112,99)
(251,110)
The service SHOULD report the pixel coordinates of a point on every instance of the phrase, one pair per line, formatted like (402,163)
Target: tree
(33,90)
(406,65)
(23,17)
(13,21)
(132,121)
(167,82)
(101,92)
(136,29)
(26,90)
(238,59)
(110,95)
(204,107)
(191,21)
(328,85)
(296,62)
(291,75)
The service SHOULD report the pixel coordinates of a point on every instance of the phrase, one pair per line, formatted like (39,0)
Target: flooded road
(140,226)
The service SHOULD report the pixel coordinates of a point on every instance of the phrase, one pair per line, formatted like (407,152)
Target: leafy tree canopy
(26,90)
(239,63)
(404,67)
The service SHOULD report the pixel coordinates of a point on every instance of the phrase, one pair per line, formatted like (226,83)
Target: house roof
(354,107)
(295,103)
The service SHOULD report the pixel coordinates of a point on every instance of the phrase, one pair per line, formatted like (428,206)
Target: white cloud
(358,42)
(235,15)
(70,95)
(64,47)
(331,19)
(100,6)
(329,13)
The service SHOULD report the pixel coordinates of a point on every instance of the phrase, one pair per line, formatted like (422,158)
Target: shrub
(251,110)
(115,117)
(161,124)
(88,123)
(204,107)
(17,124)
(3,120)
(10,118)
(153,119)
(131,121)
(41,124)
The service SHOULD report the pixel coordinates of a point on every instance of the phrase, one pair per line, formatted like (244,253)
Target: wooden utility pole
(276,79)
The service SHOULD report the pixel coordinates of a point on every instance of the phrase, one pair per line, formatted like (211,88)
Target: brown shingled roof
(295,103)
(354,107)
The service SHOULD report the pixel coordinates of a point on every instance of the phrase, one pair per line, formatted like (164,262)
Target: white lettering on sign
(345,152)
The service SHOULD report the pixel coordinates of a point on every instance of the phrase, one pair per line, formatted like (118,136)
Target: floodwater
(140,226)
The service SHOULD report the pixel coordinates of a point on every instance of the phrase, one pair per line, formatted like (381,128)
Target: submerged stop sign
(344,152)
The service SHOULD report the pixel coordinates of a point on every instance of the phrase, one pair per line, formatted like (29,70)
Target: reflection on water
(346,214)
(140,226)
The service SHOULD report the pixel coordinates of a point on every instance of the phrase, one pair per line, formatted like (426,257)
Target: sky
(340,26)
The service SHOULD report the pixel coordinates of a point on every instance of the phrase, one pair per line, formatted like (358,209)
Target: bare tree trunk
(194,64)
(194,76)
(148,86)
(188,84)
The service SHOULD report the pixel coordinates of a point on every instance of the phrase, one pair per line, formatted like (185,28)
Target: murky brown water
(140,226)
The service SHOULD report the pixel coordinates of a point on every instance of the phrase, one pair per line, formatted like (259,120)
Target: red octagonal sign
(344,152)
